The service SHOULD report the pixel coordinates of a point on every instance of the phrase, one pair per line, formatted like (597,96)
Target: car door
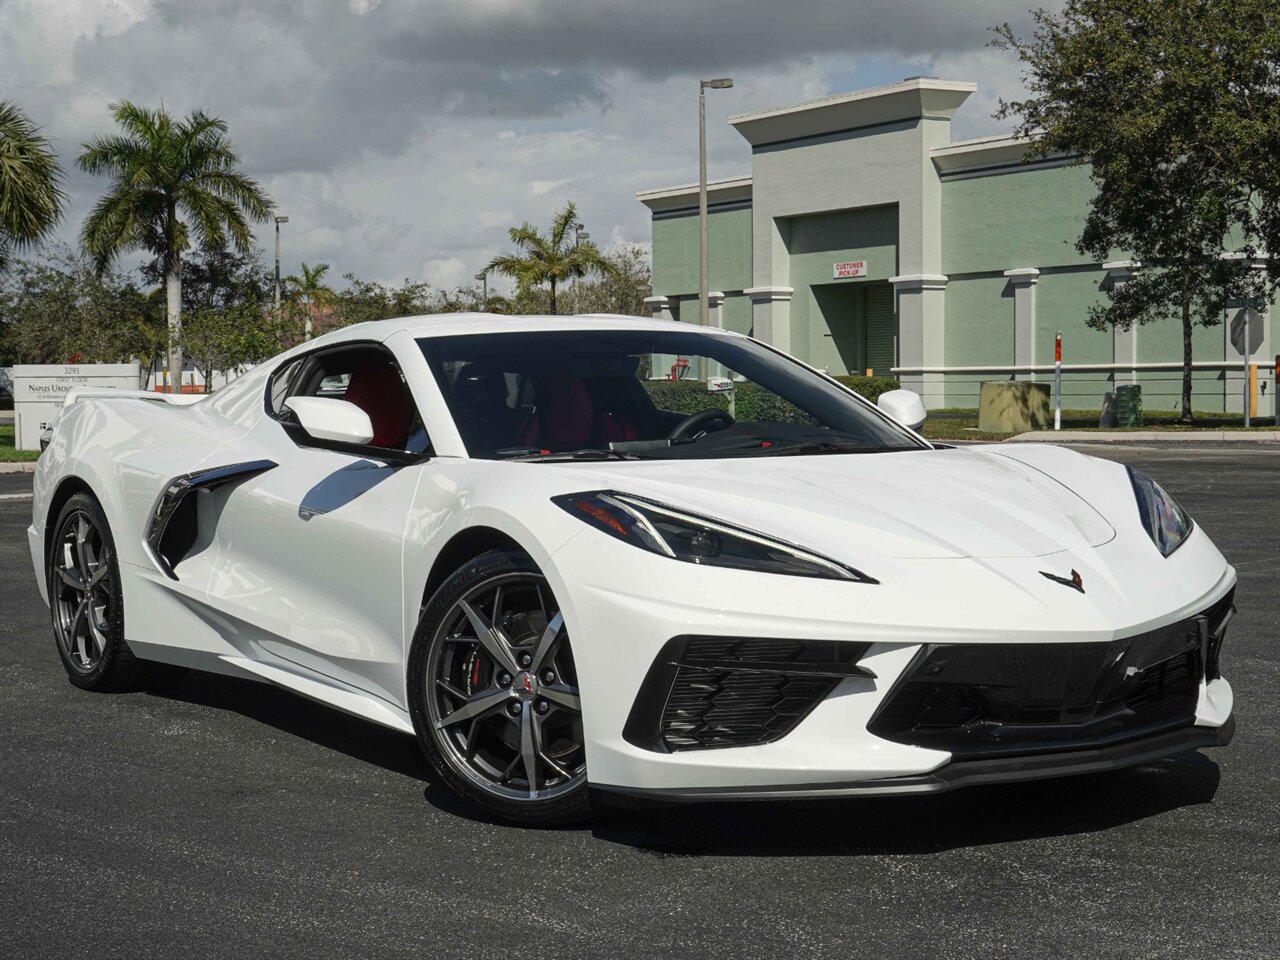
(313,569)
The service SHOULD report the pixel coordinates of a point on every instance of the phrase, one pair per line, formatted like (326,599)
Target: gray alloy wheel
(85,601)
(84,591)
(494,692)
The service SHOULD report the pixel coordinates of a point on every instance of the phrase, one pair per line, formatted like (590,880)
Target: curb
(1148,436)
(24,467)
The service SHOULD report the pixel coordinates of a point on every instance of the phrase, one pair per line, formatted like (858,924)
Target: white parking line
(15,496)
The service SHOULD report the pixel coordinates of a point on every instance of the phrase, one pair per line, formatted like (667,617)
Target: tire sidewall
(558,810)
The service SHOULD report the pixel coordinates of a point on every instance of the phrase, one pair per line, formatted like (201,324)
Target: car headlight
(1166,523)
(685,536)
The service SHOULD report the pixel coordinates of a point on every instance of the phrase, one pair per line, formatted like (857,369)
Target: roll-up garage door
(881,327)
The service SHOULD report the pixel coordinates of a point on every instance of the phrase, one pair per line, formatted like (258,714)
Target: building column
(1124,343)
(921,333)
(771,316)
(715,315)
(1023,281)
(659,307)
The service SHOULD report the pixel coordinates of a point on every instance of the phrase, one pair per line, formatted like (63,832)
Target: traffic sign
(1246,332)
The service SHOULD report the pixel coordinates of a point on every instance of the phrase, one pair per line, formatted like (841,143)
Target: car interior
(365,376)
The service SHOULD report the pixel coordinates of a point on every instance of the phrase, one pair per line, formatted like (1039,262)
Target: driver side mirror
(905,406)
(337,421)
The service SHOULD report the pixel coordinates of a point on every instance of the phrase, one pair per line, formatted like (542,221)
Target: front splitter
(957,774)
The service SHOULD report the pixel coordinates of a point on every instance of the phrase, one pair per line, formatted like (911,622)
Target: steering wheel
(686,428)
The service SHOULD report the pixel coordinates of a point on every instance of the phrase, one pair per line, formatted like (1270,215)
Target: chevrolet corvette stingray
(526,544)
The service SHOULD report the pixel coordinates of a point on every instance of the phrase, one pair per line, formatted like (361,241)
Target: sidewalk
(1147,436)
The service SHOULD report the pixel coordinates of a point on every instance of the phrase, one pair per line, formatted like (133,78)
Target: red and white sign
(854,268)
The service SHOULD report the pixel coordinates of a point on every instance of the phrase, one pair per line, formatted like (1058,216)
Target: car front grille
(711,692)
(984,700)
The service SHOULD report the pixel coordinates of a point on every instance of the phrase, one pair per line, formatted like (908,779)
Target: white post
(1057,381)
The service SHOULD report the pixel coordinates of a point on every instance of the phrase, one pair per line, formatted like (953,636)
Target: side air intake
(172,529)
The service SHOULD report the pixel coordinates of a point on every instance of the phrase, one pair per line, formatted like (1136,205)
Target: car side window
(366,375)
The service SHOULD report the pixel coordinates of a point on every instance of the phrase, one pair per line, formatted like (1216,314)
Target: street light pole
(280,220)
(483,277)
(722,83)
(578,236)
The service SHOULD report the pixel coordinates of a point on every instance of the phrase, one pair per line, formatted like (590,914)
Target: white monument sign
(40,388)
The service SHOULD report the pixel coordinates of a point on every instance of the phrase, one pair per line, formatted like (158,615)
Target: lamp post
(578,236)
(280,220)
(723,83)
(483,277)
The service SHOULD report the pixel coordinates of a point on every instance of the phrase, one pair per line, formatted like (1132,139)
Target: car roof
(448,324)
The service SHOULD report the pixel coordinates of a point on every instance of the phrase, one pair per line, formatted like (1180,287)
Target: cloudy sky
(403,138)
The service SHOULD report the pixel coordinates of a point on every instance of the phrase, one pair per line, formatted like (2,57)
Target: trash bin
(1129,406)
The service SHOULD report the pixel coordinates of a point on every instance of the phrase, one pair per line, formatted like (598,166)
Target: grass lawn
(7,453)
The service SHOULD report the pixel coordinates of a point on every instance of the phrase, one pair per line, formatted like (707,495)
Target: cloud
(403,138)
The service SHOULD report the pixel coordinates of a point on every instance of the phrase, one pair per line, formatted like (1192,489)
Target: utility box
(1013,406)
(39,389)
(1129,406)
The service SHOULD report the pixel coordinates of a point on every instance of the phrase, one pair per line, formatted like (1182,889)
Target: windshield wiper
(591,453)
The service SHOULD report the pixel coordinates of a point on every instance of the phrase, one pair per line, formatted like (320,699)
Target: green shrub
(870,388)
(751,402)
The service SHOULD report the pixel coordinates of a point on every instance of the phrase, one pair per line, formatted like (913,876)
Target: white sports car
(493,534)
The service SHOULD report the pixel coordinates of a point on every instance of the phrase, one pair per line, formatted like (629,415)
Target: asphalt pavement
(221,818)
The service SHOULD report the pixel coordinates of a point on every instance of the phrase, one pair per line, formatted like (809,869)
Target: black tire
(88,622)
(446,647)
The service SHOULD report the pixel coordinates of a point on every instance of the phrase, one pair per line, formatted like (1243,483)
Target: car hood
(928,504)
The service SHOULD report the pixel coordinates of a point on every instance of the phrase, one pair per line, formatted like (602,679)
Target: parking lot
(223,818)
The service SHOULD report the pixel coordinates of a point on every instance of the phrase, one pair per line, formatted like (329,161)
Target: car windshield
(653,394)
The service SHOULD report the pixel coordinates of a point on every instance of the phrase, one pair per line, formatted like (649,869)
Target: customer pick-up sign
(850,268)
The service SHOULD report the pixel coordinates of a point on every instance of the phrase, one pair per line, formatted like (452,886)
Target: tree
(227,339)
(365,300)
(311,291)
(31,195)
(217,278)
(621,290)
(172,179)
(1176,104)
(57,307)
(552,259)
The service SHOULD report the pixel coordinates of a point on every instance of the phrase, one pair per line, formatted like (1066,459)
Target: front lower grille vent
(712,692)
(984,700)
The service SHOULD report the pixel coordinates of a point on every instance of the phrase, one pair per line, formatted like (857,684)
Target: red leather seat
(568,420)
(565,418)
(378,390)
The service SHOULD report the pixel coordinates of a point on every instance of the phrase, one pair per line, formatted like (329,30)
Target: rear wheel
(493,691)
(85,600)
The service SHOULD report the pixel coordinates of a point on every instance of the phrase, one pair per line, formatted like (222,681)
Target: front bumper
(623,606)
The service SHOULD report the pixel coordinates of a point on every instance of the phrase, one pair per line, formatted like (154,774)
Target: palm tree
(31,195)
(171,179)
(315,295)
(551,259)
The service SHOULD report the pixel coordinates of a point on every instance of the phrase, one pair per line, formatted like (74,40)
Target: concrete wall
(826,314)
(675,251)
(885,166)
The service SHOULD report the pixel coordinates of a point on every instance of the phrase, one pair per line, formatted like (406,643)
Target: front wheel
(493,692)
